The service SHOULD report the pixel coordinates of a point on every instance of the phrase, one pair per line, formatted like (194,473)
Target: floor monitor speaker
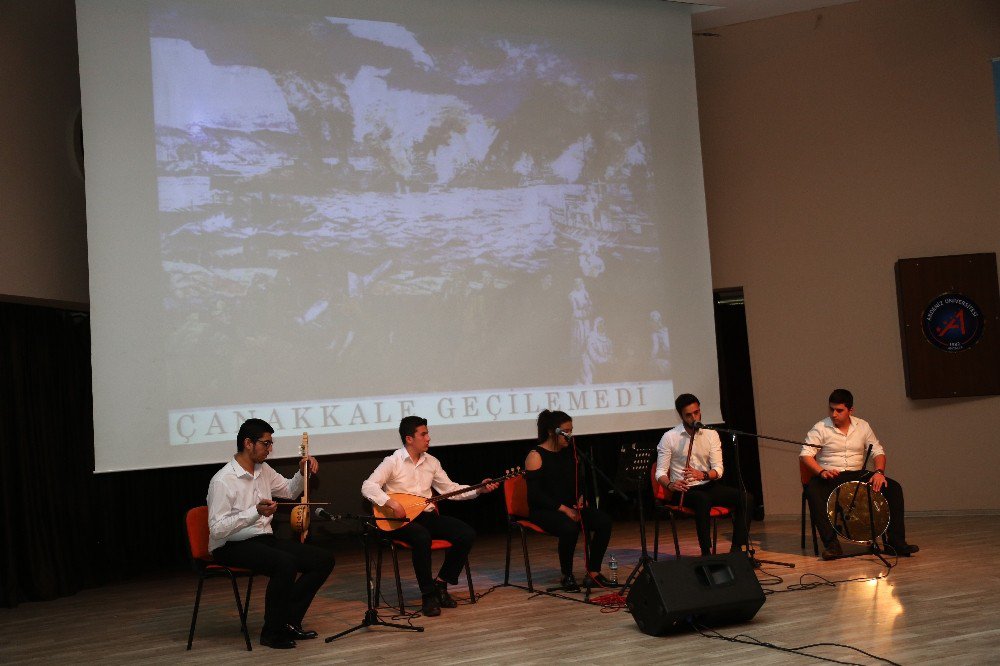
(712,590)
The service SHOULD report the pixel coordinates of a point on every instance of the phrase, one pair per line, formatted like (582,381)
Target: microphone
(323,513)
(567,435)
(698,425)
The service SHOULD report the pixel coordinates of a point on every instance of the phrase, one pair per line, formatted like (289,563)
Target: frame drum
(856,513)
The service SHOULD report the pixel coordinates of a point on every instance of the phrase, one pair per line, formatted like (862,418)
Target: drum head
(849,513)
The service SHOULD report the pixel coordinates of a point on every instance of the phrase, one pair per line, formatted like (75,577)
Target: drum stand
(873,547)
(371,618)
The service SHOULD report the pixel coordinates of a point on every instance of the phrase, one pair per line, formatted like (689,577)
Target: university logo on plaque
(952,322)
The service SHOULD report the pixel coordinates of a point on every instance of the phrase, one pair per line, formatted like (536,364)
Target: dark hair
(408,426)
(254,429)
(685,399)
(549,421)
(842,397)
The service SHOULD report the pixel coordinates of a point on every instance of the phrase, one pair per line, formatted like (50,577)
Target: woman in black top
(555,499)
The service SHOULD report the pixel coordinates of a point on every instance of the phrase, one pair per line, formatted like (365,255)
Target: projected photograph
(384,205)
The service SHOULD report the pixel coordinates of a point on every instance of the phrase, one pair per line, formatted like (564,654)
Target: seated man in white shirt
(844,439)
(689,463)
(413,471)
(240,510)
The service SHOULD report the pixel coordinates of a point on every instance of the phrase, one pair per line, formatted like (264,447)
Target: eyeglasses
(266,442)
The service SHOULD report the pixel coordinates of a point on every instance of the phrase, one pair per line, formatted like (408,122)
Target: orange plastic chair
(515,492)
(386,541)
(203,564)
(662,504)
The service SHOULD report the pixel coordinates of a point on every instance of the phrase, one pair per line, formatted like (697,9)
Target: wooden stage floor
(939,607)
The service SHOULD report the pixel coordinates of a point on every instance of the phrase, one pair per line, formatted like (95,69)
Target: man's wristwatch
(878,471)
(708,475)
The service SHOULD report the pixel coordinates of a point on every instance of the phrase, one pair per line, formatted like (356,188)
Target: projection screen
(331,215)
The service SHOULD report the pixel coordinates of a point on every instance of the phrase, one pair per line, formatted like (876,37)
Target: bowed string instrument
(300,512)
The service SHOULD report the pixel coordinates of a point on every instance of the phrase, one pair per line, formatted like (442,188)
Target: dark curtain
(65,528)
(48,452)
(736,391)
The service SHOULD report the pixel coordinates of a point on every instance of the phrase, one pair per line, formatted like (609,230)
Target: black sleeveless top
(554,482)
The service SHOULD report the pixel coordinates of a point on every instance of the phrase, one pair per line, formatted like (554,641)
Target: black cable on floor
(822,582)
(750,640)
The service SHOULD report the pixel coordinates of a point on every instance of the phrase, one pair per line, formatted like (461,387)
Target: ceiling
(716,13)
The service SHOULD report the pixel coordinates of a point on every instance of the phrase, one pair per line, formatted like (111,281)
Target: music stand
(633,466)
(371,618)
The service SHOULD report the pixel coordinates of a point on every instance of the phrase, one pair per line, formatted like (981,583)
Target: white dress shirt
(671,454)
(397,473)
(233,494)
(842,452)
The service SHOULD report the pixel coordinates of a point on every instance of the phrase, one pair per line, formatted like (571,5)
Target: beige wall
(835,142)
(43,253)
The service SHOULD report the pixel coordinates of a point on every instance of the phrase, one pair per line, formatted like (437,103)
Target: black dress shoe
(431,606)
(597,578)
(569,584)
(904,550)
(445,600)
(832,551)
(276,642)
(297,633)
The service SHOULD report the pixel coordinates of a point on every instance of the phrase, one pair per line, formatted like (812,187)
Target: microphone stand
(751,553)
(594,471)
(371,618)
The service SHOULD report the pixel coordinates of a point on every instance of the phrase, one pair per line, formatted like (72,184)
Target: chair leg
(239,609)
(246,604)
(812,525)
(715,535)
(815,532)
(399,584)
(194,615)
(468,577)
(677,544)
(656,537)
(803,521)
(378,574)
(506,568)
(527,565)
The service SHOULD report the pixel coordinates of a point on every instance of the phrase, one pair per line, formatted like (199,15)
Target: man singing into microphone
(413,471)
(240,510)
(689,461)
(844,439)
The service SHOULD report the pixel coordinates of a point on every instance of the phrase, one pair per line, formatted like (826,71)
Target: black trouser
(819,489)
(287,599)
(703,497)
(597,523)
(419,533)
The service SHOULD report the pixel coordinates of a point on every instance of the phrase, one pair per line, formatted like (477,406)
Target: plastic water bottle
(613,568)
